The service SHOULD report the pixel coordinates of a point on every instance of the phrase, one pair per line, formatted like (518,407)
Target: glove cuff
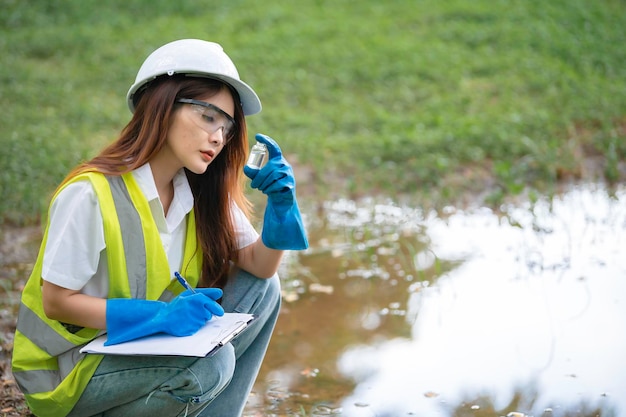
(285,232)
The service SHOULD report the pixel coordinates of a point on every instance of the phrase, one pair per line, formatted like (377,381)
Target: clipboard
(216,333)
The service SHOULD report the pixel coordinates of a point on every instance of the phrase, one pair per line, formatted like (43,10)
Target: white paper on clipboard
(206,341)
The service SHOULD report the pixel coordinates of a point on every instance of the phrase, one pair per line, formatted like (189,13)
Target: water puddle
(396,312)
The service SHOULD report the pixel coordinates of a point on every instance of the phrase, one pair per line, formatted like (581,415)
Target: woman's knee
(273,292)
(246,293)
(212,374)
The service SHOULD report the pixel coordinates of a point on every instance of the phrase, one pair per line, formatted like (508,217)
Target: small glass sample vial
(258,155)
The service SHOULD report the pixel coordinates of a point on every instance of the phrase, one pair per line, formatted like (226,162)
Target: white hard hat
(196,58)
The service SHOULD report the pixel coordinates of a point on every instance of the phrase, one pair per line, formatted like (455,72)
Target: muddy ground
(18,247)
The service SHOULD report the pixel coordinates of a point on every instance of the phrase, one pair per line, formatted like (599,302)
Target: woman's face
(198,131)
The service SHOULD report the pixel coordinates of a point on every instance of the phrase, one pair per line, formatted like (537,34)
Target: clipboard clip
(232,334)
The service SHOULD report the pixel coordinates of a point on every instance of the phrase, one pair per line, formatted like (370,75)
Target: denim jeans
(214,386)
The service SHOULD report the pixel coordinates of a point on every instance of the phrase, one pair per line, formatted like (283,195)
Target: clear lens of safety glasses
(211,118)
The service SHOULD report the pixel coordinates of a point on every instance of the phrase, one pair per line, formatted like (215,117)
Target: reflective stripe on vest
(46,363)
(132,237)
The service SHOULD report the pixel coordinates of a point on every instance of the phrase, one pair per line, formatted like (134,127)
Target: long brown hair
(214,191)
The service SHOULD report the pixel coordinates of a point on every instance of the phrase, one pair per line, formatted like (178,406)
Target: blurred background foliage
(429,99)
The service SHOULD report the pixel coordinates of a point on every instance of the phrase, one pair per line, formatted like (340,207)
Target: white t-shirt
(75,254)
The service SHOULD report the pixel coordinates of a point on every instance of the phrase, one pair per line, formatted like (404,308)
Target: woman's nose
(217,137)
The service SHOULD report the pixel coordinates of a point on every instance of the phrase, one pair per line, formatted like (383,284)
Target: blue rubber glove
(282,223)
(131,318)
(213,293)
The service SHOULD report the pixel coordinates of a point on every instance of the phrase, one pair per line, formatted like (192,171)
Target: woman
(167,196)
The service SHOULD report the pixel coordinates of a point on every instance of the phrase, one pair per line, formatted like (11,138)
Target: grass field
(428,99)
(419,97)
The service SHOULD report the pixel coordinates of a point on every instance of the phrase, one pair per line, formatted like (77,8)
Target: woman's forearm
(260,260)
(70,306)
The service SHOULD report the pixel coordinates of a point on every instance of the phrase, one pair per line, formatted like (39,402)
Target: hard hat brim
(250,102)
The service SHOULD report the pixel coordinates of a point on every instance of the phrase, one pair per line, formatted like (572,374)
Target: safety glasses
(211,118)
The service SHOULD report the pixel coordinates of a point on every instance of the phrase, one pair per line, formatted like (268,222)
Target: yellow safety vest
(47,364)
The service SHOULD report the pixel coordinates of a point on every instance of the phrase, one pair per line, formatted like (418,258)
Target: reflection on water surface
(396,312)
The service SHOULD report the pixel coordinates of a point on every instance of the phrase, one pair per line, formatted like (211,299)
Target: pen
(183,282)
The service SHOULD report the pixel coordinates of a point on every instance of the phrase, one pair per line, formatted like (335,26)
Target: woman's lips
(207,155)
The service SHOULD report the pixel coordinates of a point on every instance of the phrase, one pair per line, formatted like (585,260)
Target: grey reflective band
(32,382)
(38,332)
(132,237)
(167,296)
(55,345)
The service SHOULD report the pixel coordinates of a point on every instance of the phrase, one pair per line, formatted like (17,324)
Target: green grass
(420,97)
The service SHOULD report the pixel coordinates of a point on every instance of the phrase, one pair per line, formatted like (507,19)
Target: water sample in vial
(258,156)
